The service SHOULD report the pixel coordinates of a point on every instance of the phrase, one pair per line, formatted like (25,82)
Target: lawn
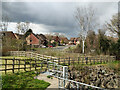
(23,80)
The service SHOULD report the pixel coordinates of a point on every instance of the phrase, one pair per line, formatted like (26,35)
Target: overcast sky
(49,17)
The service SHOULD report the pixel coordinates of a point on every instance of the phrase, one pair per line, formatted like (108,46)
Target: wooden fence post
(53,59)
(64,61)
(13,64)
(58,60)
(107,58)
(35,64)
(30,64)
(100,60)
(86,59)
(5,65)
(94,60)
(97,58)
(19,65)
(69,61)
(41,66)
(90,60)
(73,61)
(25,65)
(104,59)
(82,59)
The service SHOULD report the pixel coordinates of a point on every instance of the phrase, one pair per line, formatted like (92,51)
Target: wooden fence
(36,61)
(32,55)
(86,60)
(25,64)
(66,61)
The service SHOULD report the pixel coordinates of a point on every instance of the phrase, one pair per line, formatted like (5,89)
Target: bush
(115,49)
(5,51)
(78,49)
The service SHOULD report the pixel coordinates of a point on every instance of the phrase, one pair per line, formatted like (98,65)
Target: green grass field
(23,80)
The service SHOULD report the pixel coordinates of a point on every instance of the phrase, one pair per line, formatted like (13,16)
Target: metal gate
(61,72)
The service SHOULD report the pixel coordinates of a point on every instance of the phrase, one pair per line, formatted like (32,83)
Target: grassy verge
(115,65)
(56,53)
(23,80)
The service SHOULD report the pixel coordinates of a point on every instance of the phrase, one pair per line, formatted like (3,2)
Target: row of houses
(39,40)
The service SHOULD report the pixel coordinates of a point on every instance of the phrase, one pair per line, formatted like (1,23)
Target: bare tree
(22,27)
(4,23)
(114,25)
(85,16)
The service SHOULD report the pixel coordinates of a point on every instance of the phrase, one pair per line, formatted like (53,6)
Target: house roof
(78,38)
(41,36)
(64,38)
(18,36)
(9,34)
(72,39)
(28,33)
(56,38)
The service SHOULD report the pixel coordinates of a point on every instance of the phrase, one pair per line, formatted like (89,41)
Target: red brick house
(35,40)
(32,39)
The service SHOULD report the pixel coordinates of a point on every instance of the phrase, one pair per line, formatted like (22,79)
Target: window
(30,40)
(3,34)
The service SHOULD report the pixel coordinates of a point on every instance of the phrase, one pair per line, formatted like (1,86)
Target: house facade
(32,39)
(74,41)
(63,40)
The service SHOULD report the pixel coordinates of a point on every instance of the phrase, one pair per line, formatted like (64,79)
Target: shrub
(78,49)
(48,76)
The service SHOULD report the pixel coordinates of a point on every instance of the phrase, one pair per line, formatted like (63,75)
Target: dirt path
(53,82)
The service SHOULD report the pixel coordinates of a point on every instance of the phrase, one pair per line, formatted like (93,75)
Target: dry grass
(56,53)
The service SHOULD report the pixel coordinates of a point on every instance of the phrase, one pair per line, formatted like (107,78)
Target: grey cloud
(58,15)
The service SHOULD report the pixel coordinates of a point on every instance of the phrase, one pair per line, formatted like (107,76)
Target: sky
(55,17)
